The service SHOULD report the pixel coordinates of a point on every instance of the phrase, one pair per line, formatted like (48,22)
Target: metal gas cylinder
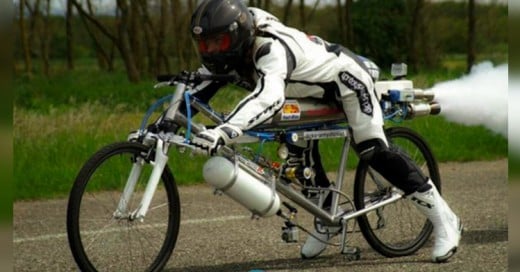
(241,186)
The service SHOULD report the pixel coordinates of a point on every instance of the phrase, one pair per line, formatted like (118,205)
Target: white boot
(314,247)
(447,227)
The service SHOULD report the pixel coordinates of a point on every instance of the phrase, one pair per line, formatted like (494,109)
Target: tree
(286,11)
(341,22)
(155,37)
(163,62)
(471,36)
(70,38)
(349,29)
(24,41)
(382,34)
(105,59)
(267,5)
(415,27)
(302,15)
(313,10)
(45,38)
(182,39)
(121,41)
(124,42)
(39,28)
(135,33)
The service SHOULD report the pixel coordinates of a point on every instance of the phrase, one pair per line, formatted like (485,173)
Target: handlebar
(196,77)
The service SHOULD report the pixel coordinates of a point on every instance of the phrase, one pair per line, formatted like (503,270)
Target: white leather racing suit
(289,63)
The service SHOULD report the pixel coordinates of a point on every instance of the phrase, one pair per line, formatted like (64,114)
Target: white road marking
(183,222)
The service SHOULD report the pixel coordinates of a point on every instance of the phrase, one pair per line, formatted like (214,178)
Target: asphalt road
(218,235)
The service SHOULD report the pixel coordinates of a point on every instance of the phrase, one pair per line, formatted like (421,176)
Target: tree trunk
(188,43)
(267,5)
(124,45)
(135,35)
(122,42)
(471,36)
(39,31)
(349,28)
(286,11)
(105,61)
(33,22)
(154,39)
(302,15)
(101,56)
(414,34)
(162,57)
(178,25)
(184,54)
(24,41)
(45,39)
(313,10)
(341,22)
(69,35)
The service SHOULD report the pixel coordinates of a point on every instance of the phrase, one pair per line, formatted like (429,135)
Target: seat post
(340,176)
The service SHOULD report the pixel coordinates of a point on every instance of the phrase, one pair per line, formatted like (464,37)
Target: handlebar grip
(165,78)
(221,77)
(196,77)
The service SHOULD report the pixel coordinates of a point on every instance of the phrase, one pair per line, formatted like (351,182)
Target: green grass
(59,122)
(49,149)
(65,89)
(454,142)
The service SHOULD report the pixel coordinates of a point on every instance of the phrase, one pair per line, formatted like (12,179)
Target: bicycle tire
(101,242)
(398,229)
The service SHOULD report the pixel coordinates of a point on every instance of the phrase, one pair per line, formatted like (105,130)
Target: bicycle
(125,199)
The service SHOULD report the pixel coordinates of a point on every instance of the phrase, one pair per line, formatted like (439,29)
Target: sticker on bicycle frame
(291,110)
(325,134)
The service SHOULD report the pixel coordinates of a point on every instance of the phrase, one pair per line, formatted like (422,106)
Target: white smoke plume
(479,98)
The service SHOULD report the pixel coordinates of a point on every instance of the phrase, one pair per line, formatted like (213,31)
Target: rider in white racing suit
(278,62)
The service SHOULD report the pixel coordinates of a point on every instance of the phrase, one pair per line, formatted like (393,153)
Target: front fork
(158,163)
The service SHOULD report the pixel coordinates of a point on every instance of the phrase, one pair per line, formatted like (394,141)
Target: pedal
(290,230)
(351,253)
(381,221)
(290,233)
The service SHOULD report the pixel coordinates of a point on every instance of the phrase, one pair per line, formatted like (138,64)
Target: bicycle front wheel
(104,238)
(398,229)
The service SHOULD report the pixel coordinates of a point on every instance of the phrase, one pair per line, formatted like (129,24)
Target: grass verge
(49,149)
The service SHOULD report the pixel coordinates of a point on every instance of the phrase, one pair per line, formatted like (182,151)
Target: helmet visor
(215,44)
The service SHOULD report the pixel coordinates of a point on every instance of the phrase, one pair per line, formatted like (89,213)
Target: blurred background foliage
(146,38)
(83,78)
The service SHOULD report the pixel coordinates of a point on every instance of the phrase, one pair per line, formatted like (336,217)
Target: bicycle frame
(162,141)
(147,205)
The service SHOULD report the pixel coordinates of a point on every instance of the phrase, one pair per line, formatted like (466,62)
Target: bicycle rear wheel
(398,229)
(100,240)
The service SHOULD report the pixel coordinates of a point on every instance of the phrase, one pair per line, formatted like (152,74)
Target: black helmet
(223,31)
